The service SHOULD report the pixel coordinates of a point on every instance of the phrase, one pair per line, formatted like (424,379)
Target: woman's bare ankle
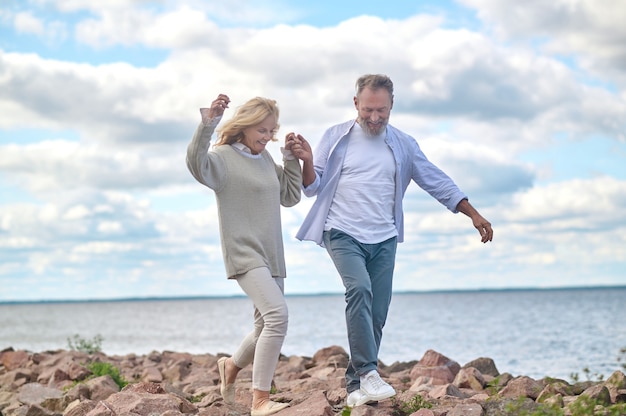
(259,398)
(231,370)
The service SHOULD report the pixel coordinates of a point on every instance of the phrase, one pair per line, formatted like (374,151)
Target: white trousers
(262,346)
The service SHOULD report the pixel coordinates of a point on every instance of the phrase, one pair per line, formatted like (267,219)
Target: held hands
(299,146)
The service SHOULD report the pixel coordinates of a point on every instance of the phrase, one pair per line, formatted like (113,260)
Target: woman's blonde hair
(250,114)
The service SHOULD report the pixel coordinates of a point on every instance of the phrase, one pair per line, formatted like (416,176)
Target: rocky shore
(54,383)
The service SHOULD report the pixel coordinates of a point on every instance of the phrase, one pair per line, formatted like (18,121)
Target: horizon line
(206,297)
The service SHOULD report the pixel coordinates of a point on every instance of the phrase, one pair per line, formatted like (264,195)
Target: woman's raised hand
(217,108)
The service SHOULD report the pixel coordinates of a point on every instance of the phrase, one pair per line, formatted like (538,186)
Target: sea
(563,333)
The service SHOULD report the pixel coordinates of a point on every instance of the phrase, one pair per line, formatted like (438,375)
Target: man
(362,169)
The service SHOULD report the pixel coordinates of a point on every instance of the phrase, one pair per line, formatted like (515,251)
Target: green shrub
(77,343)
(410,406)
(99,369)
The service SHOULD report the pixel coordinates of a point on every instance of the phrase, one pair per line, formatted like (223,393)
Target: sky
(523,104)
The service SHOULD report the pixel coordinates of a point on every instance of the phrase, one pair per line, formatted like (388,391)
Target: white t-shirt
(363,203)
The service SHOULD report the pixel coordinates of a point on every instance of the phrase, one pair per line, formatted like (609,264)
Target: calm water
(534,333)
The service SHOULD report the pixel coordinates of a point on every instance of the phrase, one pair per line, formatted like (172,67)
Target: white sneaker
(375,388)
(356,398)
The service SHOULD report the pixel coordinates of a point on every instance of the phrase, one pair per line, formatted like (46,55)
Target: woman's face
(256,137)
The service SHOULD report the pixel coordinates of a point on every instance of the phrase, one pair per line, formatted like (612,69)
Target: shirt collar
(242,147)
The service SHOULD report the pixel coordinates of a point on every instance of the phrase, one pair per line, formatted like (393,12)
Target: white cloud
(52,32)
(25,22)
(592,31)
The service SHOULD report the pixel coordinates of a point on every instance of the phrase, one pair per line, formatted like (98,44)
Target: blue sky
(522,104)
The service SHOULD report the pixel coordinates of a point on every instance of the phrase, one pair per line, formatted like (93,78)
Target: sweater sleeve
(290,178)
(207,167)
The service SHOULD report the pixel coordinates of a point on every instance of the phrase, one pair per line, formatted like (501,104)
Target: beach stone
(79,408)
(36,410)
(615,383)
(35,393)
(486,366)
(469,378)
(16,378)
(398,366)
(143,399)
(438,367)
(12,360)
(151,375)
(556,400)
(177,371)
(100,388)
(336,396)
(423,412)
(315,405)
(6,398)
(616,380)
(581,386)
(79,392)
(466,409)
(598,393)
(334,356)
(559,388)
(502,380)
(364,411)
(54,377)
(522,387)
(439,392)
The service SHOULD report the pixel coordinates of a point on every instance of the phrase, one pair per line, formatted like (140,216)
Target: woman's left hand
(299,146)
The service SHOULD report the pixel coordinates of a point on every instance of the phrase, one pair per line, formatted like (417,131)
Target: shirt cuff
(287,154)
(207,120)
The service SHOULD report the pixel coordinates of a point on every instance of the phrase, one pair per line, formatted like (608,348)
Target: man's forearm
(466,208)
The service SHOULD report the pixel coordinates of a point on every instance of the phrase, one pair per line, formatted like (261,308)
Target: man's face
(373,107)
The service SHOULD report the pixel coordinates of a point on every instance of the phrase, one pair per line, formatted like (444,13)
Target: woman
(249,189)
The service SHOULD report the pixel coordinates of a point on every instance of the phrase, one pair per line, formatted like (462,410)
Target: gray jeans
(263,344)
(367,274)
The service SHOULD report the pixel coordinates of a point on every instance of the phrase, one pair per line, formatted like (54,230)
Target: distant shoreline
(295,295)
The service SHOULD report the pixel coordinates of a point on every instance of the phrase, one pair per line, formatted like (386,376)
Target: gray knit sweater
(249,192)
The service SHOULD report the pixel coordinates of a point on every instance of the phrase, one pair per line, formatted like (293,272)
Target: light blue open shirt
(411,164)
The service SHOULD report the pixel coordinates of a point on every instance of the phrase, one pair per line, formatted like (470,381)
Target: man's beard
(375,130)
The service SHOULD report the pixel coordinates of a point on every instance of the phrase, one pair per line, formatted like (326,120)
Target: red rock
(465,409)
(79,408)
(16,378)
(598,393)
(439,392)
(12,360)
(423,412)
(315,405)
(615,383)
(522,387)
(100,388)
(438,367)
(143,399)
(486,366)
(469,378)
(178,370)
(334,356)
(35,393)
(152,374)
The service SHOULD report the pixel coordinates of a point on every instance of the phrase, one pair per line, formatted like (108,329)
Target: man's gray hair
(374,81)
